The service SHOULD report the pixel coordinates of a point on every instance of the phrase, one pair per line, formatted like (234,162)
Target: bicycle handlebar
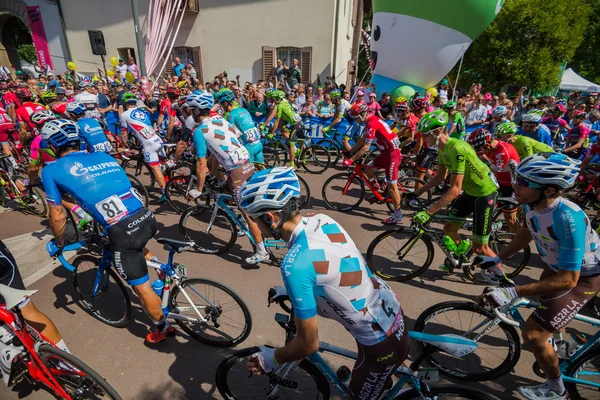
(54,251)
(502,316)
(279,296)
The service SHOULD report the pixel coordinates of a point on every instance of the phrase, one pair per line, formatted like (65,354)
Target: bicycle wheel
(333,148)
(141,171)
(499,346)
(400,254)
(210,236)
(74,376)
(141,189)
(342,194)
(512,266)
(34,200)
(234,382)
(304,193)
(177,194)
(111,304)
(277,249)
(586,368)
(315,159)
(446,392)
(409,185)
(228,318)
(276,154)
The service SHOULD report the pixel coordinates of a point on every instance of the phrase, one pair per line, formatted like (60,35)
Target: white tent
(571,81)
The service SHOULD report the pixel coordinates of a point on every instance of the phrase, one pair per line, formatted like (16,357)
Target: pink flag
(39,36)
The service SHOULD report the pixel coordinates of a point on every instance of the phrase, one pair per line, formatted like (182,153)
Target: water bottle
(463,247)
(343,373)
(449,243)
(158,287)
(567,348)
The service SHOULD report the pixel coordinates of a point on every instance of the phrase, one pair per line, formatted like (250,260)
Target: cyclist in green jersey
(468,174)
(525,146)
(286,114)
(456,124)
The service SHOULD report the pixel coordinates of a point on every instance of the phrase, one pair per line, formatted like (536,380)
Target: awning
(571,81)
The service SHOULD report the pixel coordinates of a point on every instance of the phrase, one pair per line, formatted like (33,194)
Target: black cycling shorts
(9,272)
(425,158)
(128,238)
(297,131)
(186,134)
(376,364)
(507,191)
(482,208)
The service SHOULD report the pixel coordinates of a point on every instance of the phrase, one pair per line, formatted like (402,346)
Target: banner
(39,36)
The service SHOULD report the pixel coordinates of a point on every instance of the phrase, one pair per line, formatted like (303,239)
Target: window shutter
(168,72)
(306,63)
(268,60)
(198,62)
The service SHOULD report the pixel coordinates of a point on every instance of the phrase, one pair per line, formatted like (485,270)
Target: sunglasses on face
(526,183)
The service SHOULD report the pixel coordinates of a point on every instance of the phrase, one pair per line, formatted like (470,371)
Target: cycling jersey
(24,112)
(7,128)
(324,273)
(410,123)
(343,107)
(555,125)
(88,99)
(167,110)
(541,134)
(41,154)
(579,132)
(10,99)
(564,237)
(97,183)
(138,122)
(458,120)
(241,118)
(527,146)
(287,112)
(221,138)
(93,135)
(9,272)
(377,130)
(459,158)
(501,157)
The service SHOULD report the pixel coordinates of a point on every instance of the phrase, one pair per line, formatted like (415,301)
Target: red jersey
(594,150)
(377,130)
(24,113)
(4,117)
(501,158)
(11,99)
(165,108)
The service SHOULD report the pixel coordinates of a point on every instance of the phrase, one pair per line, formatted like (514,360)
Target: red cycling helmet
(12,85)
(419,104)
(479,138)
(560,108)
(172,92)
(357,109)
(23,92)
(402,106)
(580,114)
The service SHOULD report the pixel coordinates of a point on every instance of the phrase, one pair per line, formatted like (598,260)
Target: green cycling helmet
(278,95)
(335,94)
(536,111)
(48,95)
(450,105)
(506,129)
(225,95)
(130,98)
(433,120)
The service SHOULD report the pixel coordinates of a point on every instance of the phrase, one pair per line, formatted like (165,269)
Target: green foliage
(27,52)
(527,44)
(586,61)
(364,66)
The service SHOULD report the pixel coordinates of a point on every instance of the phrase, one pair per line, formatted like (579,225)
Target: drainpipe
(336,24)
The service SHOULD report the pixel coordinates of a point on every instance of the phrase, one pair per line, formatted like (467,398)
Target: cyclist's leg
(186,135)
(462,208)
(4,141)
(424,161)
(483,208)
(153,150)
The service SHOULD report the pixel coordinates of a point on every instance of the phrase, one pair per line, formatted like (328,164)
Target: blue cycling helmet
(268,190)
(550,169)
(225,95)
(499,111)
(60,132)
(201,101)
(76,108)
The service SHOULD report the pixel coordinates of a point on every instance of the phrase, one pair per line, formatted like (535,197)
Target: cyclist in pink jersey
(556,123)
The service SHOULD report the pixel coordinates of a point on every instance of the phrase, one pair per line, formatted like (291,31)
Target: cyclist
(570,249)
(102,188)
(137,121)
(221,138)
(376,130)
(405,124)
(8,132)
(24,111)
(456,126)
(168,114)
(89,99)
(241,118)
(342,107)
(47,97)
(286,114)
(91,131)
(325,273)
(556,124)
(426,154)
(502,158)
(468,174)
(577,140)
(525,146)
(187,122)
(10,100)
(533,129)
(498,117)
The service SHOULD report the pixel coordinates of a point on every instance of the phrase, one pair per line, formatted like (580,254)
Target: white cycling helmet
(268,190)
(201,100)
(84,85)
(531,117)
(76,108)
(548,169)
(40,117)
(499,111)
(60,132)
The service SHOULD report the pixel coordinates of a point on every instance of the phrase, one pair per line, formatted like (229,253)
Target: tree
(586,61)
(527,44)
(27,52)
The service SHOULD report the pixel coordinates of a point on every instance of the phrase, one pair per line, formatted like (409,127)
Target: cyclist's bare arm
(521,239)
(434,181)
(409,139)
(201,170)
(58,223)
(161,118)
(361,148)
(275,126)
(418,145)
(558,282)
(303,344)
(271,115)
(170,126)
(452,193)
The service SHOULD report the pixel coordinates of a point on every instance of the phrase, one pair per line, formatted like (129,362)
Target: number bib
(239,155)
(386,310)
(105,147)
(112,209)
(252,135)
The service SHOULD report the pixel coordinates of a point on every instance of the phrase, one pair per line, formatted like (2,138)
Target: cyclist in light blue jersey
(570,249)
(241,118)
(90,129)
(100,186)
(324,273)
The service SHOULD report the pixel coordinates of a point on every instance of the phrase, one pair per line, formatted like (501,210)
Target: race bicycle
(207,310)
(15,187)
(311,377)
(39,361)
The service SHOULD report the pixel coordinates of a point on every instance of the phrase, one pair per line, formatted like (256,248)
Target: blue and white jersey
(542,134)
(564,237)
(222,139)
(97,183)
(137,121)
(324,273)
(241,118)
(93,135)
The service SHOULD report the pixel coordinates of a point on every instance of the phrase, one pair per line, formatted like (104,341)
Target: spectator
(317,98)
(308,109)
(133,68)
(291,98)
(443,92)
(241,98)
(122,69)
(178,67)
(300,96)
(325,107)
(502,97)
(294,73)
(279,71)
(346,96)
(360,97)
(487,99)
(51,81)
(258,107)
(477,113)
(374,107)
(386,107)
(191,70)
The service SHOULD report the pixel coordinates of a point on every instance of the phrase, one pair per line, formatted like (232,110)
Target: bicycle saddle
(177,245)
(508,200)
(13,297)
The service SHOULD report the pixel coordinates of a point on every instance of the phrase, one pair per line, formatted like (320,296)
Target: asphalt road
(181,367)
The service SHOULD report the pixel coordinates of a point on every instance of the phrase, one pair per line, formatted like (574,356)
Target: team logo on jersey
(138,115)
(78,169)
(92,129)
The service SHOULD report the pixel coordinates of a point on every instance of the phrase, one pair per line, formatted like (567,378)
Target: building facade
(240,37)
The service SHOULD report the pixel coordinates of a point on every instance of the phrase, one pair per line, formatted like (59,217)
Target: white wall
(344,39)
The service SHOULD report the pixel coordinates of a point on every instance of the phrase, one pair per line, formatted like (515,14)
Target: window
(186,55)
(287,54)
(126,52)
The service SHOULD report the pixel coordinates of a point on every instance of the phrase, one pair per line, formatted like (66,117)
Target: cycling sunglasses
(527,183)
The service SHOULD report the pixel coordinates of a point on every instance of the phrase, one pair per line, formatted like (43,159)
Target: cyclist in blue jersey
(570,249)
(90,129)
(101,187)
(325,273)
(342,109)
(532,128)
(241,118)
